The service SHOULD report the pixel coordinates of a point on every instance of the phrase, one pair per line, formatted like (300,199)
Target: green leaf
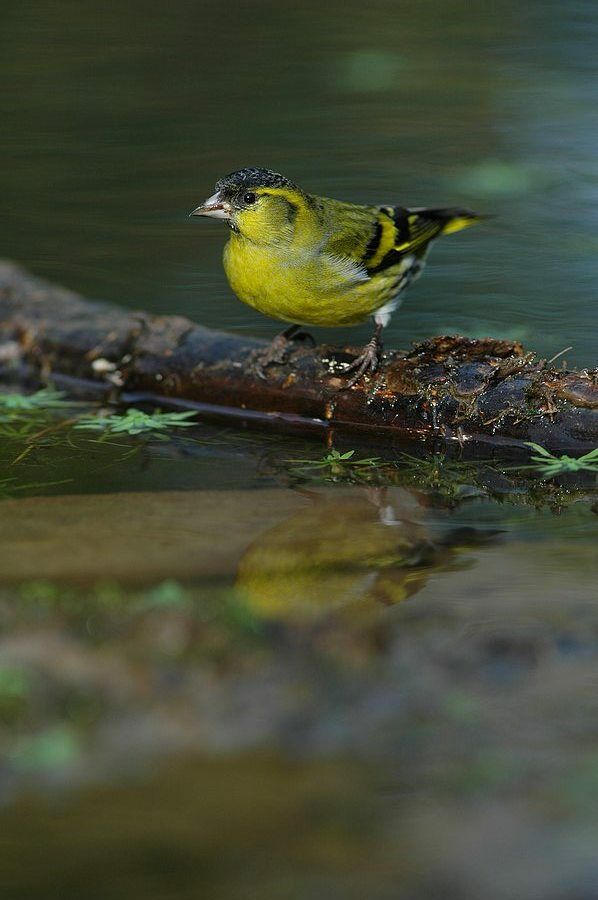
(539,449)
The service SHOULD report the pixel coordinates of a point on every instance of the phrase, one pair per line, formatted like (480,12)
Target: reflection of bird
(341,551)
(314,261)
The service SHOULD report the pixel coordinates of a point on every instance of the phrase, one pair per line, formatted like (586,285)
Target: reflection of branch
(450,388)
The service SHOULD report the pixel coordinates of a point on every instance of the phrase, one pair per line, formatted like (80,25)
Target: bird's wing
(378,237)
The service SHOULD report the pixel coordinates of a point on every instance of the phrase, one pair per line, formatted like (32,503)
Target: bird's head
(261,205)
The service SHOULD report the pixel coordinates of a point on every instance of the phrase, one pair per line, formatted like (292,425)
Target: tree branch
(451,389)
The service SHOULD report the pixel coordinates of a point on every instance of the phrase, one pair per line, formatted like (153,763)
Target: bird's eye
(249,198)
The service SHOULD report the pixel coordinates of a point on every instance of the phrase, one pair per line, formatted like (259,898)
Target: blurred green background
(119,117)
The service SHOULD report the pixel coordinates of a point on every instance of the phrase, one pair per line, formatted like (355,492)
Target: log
(451,389)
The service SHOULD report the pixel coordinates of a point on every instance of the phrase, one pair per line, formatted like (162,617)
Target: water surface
(224,670)
(118,121)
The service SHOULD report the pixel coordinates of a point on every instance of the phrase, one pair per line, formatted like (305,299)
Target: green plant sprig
(135,422)
(336,466)
(549,466)
(14,405)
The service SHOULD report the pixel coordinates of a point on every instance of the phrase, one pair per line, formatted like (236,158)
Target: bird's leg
(276,351)
(368,361)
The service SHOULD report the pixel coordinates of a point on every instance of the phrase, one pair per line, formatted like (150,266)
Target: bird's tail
(452,219)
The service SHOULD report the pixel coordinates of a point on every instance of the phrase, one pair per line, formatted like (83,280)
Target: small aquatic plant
(450,478)
(549,466)
(12,404)
(135,421)
(336,466)
(435,468)
(34,420)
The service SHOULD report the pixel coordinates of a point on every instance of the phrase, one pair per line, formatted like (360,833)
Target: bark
(449,388)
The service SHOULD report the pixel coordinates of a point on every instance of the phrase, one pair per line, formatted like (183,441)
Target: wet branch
(451,389)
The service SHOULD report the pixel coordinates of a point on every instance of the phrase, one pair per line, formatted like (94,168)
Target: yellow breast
(304,287)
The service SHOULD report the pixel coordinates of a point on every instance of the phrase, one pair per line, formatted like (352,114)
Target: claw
(368,362)
(276,352)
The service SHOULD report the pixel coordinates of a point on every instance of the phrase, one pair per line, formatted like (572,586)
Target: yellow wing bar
(400,231)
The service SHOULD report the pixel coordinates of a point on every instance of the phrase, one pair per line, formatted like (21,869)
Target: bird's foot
(366,363)
(278,349)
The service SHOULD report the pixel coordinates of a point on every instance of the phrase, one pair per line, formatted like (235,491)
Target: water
(225,671)
(118,122)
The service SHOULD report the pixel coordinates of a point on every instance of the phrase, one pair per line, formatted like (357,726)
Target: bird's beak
(215,207)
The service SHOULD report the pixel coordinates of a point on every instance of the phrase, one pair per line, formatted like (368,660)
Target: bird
(311,260)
